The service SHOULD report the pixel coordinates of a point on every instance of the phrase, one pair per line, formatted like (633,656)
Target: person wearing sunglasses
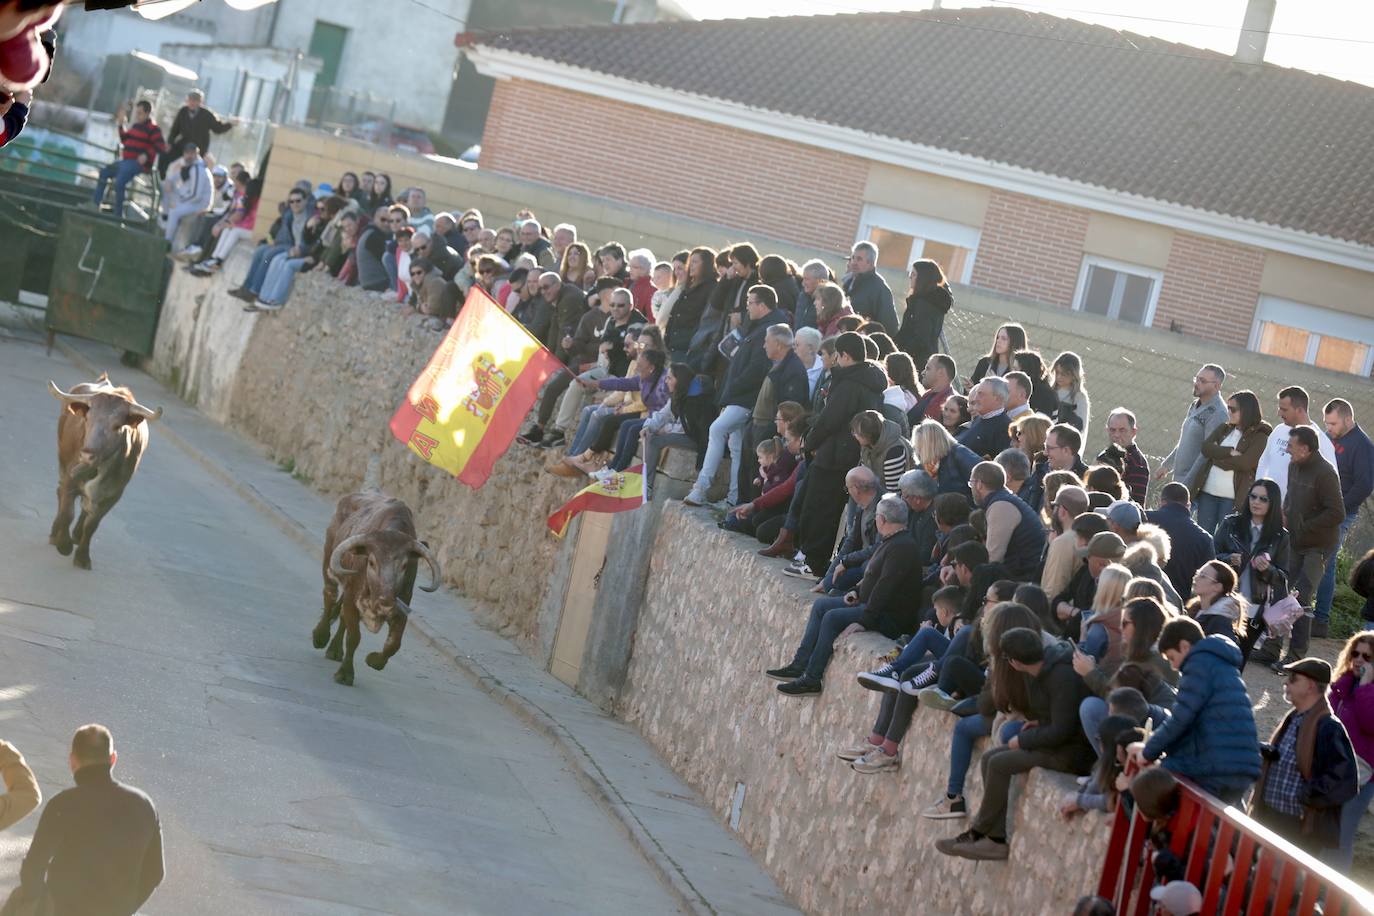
(1230,456)
(1255,544)
(288,239)
(1352,699)
(435,297)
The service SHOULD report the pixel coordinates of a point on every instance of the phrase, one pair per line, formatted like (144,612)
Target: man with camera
(1309,765)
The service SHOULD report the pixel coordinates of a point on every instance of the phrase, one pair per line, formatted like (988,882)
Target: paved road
(279,791)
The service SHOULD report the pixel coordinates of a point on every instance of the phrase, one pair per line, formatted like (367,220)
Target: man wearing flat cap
(1309,764)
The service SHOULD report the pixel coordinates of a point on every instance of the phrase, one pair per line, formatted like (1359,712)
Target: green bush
(1346,618)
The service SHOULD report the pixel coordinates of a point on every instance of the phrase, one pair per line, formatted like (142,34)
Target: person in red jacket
(779,475)
(141,144)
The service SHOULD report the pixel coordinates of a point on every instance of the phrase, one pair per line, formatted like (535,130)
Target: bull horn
(423,550)
(145,413)
(336,558)
(67,396)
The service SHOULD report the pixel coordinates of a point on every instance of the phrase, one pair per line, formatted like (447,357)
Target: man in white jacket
(1293,412)
(188,190)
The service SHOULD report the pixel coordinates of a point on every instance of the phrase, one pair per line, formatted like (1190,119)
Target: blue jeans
(1091,712)
(829,617)
(263,256)
(728,428)
(280,274)
(847,580)
(389,263)
(1211,510)
(926,639)
(588,427)
(626,444)
(798,496)
(123,172)
(1343,856)
(966,732)
(1326,592)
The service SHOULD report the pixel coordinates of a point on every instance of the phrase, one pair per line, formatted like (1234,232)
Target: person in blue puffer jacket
(1210,738)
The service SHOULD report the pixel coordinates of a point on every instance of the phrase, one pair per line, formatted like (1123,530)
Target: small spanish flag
(465,409)
(622,491)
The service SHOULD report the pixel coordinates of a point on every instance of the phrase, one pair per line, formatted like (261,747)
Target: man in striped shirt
(141,144)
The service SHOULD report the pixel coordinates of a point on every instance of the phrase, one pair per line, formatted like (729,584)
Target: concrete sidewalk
(688,845)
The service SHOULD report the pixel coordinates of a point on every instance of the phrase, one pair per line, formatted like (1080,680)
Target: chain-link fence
(1147,372)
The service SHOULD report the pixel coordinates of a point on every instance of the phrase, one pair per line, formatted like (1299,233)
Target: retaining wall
(714,617)
(317,382)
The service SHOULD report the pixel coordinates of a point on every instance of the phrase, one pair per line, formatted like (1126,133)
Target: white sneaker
(877,760)
(855,751)
(190,253)
(884,679)
(800,571)
(268,306)
(601,475)
(946,809)
(912,686)
(695,498)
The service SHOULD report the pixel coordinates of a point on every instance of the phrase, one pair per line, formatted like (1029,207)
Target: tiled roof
(1092,104)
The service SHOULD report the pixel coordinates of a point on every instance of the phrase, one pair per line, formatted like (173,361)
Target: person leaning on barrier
(1210,738)
(1309,765)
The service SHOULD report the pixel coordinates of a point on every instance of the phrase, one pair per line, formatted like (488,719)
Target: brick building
(1070,164)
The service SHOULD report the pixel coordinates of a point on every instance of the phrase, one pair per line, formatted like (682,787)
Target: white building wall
(399,50)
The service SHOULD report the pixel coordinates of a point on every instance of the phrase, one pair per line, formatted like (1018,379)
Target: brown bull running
(370,557)
(102,434)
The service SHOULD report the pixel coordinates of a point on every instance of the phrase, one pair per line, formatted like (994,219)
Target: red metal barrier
(1237,864)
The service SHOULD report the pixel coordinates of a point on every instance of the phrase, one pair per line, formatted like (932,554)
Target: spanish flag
(621,492)
(465,409)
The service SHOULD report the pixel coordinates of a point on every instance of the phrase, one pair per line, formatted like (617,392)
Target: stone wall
(714,616)
(317,382)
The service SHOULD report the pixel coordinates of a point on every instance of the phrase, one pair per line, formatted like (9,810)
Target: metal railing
(1237,864)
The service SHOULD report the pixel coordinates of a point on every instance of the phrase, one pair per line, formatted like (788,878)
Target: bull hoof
(334,653)
(82,560)
(344,676)
(63,547)
(376,661)
(320,637)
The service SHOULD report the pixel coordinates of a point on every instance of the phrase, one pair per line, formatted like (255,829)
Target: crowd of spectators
(1030,593)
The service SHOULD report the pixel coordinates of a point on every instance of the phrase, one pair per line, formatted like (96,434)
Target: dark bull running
(102,434)
(370,557)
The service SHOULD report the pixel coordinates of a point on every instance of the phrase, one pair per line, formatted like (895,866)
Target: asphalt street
(279,791)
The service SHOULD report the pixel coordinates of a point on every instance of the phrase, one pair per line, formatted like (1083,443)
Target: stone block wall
(714,616)
(317,383)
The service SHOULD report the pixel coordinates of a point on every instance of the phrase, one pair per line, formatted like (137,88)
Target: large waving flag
(465,409)
(620,492)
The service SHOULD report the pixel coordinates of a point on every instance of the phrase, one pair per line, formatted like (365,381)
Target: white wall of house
(400,50)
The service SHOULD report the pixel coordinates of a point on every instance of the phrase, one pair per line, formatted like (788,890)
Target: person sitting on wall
(1050,738)
(881,602)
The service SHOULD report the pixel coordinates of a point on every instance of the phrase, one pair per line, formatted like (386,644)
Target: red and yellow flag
(623,491)
(465,409)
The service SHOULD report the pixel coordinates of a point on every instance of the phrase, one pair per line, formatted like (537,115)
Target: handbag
(1279,616)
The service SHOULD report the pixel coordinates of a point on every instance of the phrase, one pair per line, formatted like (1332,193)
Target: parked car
(396,136)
